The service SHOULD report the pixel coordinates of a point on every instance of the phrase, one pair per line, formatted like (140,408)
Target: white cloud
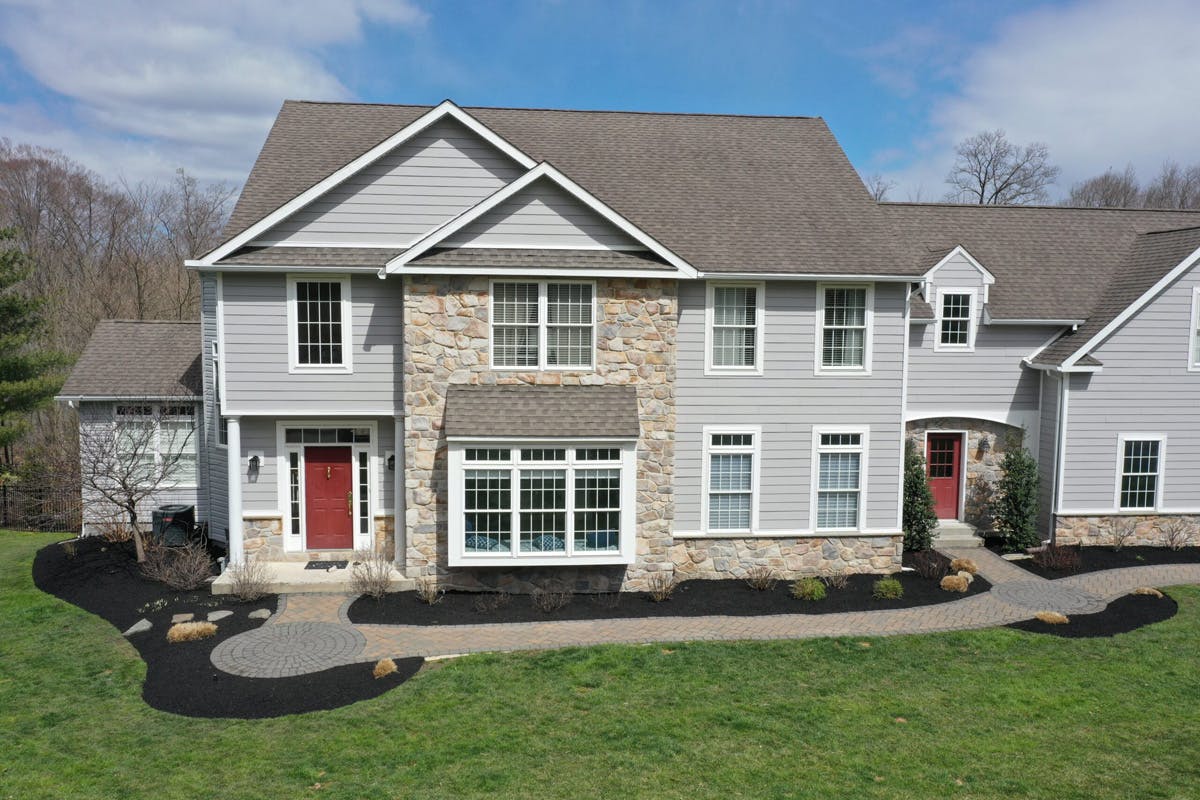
(1101,83)
(155,84)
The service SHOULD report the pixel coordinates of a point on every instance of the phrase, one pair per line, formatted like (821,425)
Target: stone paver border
(312,632)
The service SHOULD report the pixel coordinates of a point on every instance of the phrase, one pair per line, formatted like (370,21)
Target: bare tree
(130,456)
(1174,187)
(1109,190)
(878,186)
(990,170)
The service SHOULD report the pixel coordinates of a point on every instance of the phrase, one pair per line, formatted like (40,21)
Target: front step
(290,577)
(953,533)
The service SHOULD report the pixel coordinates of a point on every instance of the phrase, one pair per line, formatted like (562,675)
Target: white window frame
(543,325)
(1160,476)
(222,430)
(347,325)
(156,418)
(458,556)
(863,449)
(868,334)
(1194,333)
(972,319)
(755,452)
(760,292)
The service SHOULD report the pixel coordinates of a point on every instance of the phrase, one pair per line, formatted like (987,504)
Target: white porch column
(399,503)
(234,462)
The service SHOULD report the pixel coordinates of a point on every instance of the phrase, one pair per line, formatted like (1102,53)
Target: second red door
(328,498)
(942,462)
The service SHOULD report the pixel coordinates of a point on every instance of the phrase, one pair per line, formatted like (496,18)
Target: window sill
(798,534)
(847,371)
(734,371)
(539,559)
(305,369)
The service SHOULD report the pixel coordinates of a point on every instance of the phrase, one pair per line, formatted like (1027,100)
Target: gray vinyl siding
(1047,450)
(992,378)
(787,401)
(542,215)
(433,177)
(1144,388)
(215,480)
(256,343)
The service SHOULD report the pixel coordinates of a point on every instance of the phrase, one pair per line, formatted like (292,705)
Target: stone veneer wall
(447,343)
(1149,530)
(385,534)
(263,539)
(789,558)
(983,469)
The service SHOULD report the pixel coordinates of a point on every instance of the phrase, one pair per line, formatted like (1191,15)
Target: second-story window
(955,313)
(543,324)
(319,321)
(845,321)
(735,327)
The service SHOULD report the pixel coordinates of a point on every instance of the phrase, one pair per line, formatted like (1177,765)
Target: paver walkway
(312,632)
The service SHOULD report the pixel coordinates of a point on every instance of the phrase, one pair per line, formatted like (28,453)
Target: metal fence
(40,509)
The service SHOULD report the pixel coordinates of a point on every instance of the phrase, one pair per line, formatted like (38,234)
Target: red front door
(942,461)
(328,498)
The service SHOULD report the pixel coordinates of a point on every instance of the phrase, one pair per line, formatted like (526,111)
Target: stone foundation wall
(263,539)
(1148,531)
(385,534)
(446,338)
(983,467)
(789,558)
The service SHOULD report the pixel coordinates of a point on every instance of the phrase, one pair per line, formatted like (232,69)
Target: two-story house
(509,344)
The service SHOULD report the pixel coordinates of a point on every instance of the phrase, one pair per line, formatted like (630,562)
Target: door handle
(350,503)
(328,472)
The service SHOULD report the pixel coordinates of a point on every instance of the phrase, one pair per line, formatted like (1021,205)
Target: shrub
(808,589)
(1120,531)
(887,589)
(760,579)
(551,596)
(930,564)
(371,574)
(954,583)
(180,568)
(1016,505)
(428,591)
(251,579)
(964,565)
(919,517)
(966,576)
(70,548)
(1051,617)
(1148,591)
(607,600)
(490,602)
(1058,558)
(1176,533)
(114,531)
(836,580)
(661,586)
(384,666)
(190,631)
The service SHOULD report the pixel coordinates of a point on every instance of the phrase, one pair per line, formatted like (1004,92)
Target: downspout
(1060,450)
(400,522)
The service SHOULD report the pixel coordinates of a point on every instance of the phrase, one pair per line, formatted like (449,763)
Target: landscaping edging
(1122,615)
(1099,558)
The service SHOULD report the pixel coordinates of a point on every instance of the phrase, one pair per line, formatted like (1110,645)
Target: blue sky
(136,88)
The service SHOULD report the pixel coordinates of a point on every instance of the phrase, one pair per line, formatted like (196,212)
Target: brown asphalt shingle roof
(542,411)
(131,358)
(281,256)
(726,193)
(1049,262)
(1150,258)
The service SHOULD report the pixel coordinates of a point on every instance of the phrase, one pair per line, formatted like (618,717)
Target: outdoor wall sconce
(985,446)
(255,464)
(391,462)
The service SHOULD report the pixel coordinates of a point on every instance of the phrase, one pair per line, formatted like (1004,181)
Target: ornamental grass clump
(1058,558)
(428,591)
(1148,591)
(930,564)
(661,585)
(836,580)
(371,574)
(383,667)
(760,579)
(964,565)
(808,589)
(1051,617)
(551,597)
(887,589)
(190,631)
(954,583)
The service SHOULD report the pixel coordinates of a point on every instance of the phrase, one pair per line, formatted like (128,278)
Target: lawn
(996,713)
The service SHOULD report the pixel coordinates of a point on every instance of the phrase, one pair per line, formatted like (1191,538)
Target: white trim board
(959,250)
(548,172)
(444,109)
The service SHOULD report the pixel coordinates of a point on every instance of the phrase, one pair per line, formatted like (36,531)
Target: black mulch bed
(103,579)
(1123,615)
(691,599)
(1093,559)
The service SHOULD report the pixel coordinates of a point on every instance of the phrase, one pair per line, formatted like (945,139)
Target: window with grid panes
(735,322)
(839,480)
(1139,473)
(956,319)
(515,324)
(730,481)
(844,329)
(543,325)
(319,328)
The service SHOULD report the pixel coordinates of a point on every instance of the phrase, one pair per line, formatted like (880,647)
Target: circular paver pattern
(289,648)
(1048,596)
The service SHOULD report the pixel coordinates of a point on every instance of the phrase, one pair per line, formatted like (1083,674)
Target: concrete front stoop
(952,533)
(290,577)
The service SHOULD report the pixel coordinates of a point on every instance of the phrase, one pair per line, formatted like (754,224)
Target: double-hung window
(1141,467)
(319,324)
(731,479)
(956,320)
(839,479)
(734,331)
(158,443)
(543,324)
(844,319)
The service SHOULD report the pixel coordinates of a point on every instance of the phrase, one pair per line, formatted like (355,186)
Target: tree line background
(76,248)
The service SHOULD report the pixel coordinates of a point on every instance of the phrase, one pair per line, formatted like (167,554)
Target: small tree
(1016,503)
(129,456)
(920,518)
(991,170)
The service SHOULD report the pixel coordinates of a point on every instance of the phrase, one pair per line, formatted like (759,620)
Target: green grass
(986,714)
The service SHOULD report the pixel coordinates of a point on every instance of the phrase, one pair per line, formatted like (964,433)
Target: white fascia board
(843,277)
(959,250)
(200,265)
(445,109)
(1136,306)
(539,272)
(542,170)
(1065,323)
